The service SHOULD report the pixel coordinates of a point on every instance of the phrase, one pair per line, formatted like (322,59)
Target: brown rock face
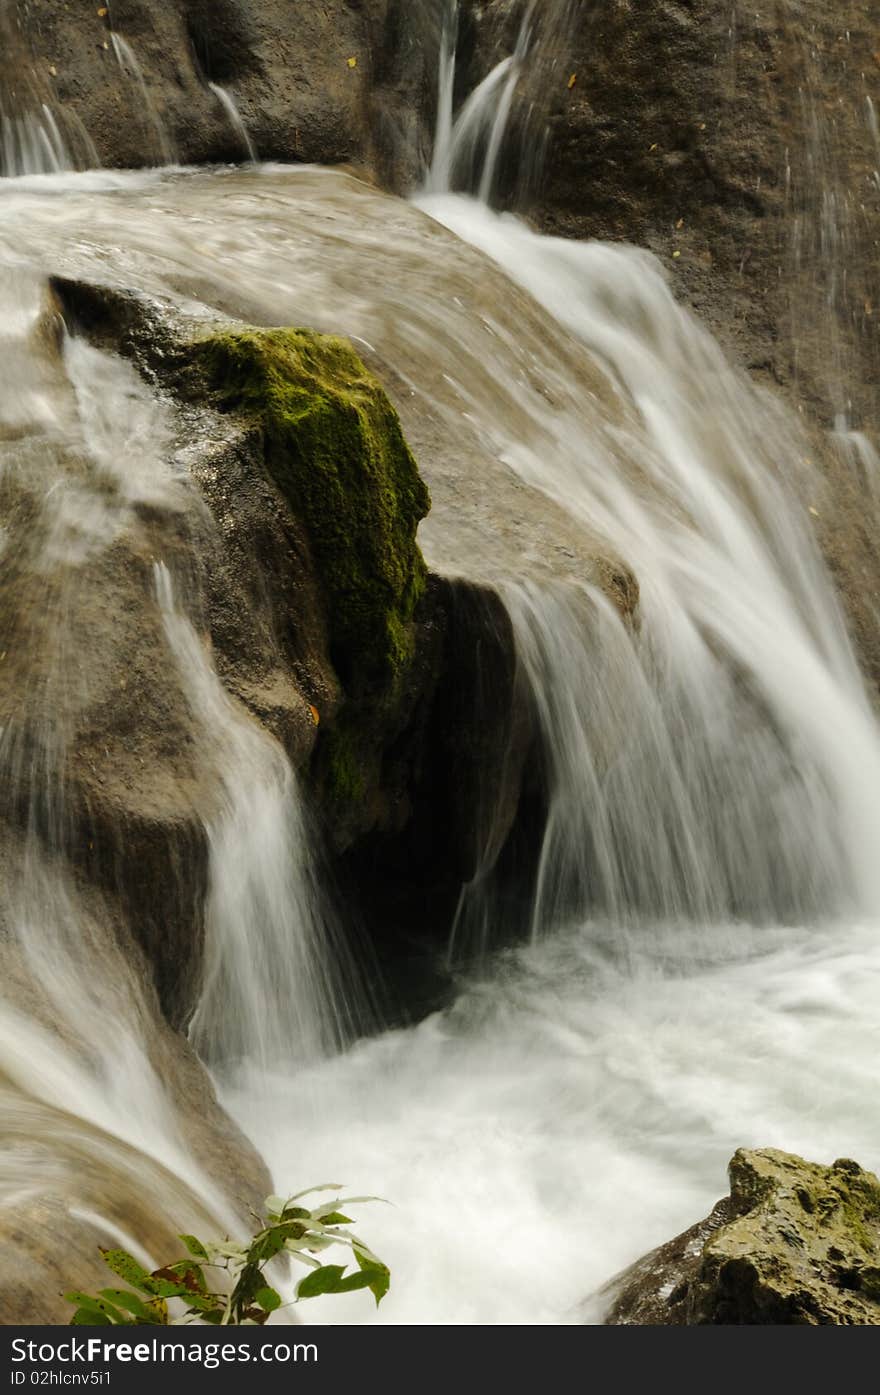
(415,773)
(128,84)
(795,1244)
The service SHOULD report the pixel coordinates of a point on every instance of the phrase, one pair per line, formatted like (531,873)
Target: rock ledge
(795,1243)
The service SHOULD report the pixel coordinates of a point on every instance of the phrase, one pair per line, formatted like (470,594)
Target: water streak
(31,144)
(130,64)
(266,990)
(227,101)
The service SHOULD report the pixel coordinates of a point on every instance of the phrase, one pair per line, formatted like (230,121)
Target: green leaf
(201,1302)
(380,1274)
(271,1241)
(324,1280)
(302,1256)
(214,1316)
(195,1246)
(183,1272)
(99,1304)
(123,1298)
(268,1298)
(324,1187)
(227,1249)
(354,1281)
(127,1267)
(357,1200)
(90,1317)
(332,1218)
(163,1288)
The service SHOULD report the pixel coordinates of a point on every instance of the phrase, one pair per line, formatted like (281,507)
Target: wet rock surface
(794,1244)
(301,75)
(740,146)
(414,767)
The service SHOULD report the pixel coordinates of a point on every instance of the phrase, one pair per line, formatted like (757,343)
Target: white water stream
(704,966)
(236,121)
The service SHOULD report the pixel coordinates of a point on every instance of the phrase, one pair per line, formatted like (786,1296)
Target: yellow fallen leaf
(680,223)
(675,256)
(316,716)
(102,13)
(53,70)
(814,512)
(572,80)
(352,62)
(652,147)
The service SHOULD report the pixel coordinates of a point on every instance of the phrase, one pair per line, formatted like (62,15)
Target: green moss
(344,770)
(803,1247)
(335,448)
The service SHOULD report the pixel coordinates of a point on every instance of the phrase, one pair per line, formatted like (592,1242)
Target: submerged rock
(795,1243)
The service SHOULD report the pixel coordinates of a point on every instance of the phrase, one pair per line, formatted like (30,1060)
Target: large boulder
(795,1243)
(395,692)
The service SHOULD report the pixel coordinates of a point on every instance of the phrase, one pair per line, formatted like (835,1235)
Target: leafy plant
(245,1298)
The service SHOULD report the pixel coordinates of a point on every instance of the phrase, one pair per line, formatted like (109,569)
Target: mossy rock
(804,1249)
(335,448)
(795,1244)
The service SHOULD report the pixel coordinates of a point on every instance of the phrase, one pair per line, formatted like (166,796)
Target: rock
(314,83)
(456,787)
(300,537)
(334,447)
(795,1243)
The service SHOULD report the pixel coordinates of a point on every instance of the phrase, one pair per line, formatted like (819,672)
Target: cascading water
(129,63)
(236,121)
(266,991)
(96,1147)
(31,143)
(704,962)
(466,149)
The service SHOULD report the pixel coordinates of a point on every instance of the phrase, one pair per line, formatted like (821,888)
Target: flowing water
(703,964)
(162,151)
(31,144)
(236,121)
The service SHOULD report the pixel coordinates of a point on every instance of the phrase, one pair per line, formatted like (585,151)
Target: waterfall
(468,145)
(729,789)
(473,139)
(266,995)
(31,144)
(130,64)
(94,1087)
(227,102)
(440,173)
(701,966)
